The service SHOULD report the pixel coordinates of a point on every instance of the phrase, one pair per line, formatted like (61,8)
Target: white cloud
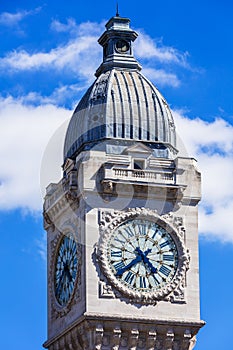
(81,55)
(81,29)
(26,129)
(59,96)
(12,19)
(212,144)
(41,245)
(161,76)
(60,27)
(146,47)
(24,133)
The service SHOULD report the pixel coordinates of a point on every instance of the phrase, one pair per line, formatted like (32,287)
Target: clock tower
(121,224)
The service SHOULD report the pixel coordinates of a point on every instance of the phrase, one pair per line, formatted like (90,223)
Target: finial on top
(117,10)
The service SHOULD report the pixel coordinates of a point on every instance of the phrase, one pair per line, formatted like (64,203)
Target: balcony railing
(143,175)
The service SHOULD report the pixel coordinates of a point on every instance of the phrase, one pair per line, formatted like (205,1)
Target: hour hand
(68,274)
(132,263)
(148,263)
(145,259)
(60,283)
(140,252)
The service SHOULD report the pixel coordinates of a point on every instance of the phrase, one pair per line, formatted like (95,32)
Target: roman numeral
(117,253)
(142,282)
(129,277)
(155,278)
(142,229)
(155,232)
(168,257)
(119,240)
(164,270)
(162,245)
(129,231)
(119,265)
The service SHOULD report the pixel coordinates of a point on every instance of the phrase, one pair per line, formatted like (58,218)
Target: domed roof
(121,104)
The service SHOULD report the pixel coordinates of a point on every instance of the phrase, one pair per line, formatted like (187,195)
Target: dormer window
(138,164)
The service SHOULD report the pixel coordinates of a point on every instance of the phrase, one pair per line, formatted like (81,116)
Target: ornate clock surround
(57,309)
(110,220)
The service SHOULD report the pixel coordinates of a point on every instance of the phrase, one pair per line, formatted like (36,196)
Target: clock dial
(122,46)
(142,255)
(65,270)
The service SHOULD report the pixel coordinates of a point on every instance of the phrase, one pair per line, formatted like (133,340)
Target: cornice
(99,331)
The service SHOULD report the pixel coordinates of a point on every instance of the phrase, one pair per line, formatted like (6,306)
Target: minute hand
(146,260)
(132,263)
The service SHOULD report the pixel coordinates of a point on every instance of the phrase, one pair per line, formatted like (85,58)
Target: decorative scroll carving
(48,222)
(168,343)
(100,89)
(84,339)
(178,295)
(116,338)
(63,196)
(133,339)
(177,222)
(105,290)
(99,332)
(108,186)
(74,339)
(151,340)
(68,342)
(188,342)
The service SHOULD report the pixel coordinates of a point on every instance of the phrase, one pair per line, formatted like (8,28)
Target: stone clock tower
(122,222)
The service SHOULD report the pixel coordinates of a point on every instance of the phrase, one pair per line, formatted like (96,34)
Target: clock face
(122,46)
(142,255)
(65,270)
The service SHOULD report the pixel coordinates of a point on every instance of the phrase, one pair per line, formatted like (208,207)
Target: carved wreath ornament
(142,254)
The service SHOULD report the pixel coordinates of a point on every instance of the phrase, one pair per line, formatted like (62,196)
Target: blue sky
(186,50)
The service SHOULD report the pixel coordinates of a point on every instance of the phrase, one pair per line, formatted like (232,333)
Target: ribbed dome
(120,104)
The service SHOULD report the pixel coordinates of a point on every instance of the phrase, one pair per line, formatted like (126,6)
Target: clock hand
(147,252)
(132,263)
(68,274)
(60,283)
(149,264)
(140,252)
(67,271)
(145,259)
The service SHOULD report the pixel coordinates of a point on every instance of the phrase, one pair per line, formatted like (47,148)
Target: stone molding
(98,332)
(109,220)
(62,197)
